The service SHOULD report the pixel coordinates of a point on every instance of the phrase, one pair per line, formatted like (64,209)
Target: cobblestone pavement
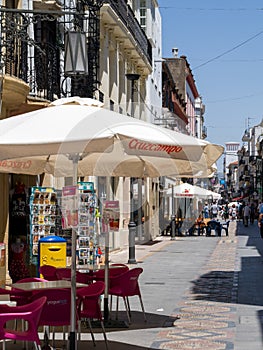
(201,293)
(207,313)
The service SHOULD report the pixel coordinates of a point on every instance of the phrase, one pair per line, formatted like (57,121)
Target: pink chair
(82,277)
(126,285)
(63,273)
(30,313)
(88,306)
(56,311)
(114,270)
(48,272)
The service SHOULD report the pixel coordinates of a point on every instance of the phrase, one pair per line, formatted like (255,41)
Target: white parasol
(186,190)
(77,136)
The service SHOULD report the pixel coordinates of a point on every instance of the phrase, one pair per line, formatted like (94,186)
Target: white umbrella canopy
(77,136)
(108,143)
(186,190)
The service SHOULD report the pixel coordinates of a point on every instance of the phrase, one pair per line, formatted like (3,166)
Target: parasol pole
(106,273)
(72,336)
(173,216)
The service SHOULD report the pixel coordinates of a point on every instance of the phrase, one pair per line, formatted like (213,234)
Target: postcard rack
(44,218)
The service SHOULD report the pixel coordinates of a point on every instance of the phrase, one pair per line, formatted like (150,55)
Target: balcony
(120,11)
(32,47)
(32,44)
(29,55)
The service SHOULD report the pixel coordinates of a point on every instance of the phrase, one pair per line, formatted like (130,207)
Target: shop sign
(69,204)
(110,216)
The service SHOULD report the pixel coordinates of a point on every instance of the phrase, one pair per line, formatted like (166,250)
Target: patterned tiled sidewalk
(207,314)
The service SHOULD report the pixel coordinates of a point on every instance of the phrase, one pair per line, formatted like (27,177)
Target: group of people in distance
(245,211)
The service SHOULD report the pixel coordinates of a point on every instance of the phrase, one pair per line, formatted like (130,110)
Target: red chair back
(126,284)
(63,273)
(88,303)
(88,306)
(115,270)
(82,277)
(56,311)
(48,272)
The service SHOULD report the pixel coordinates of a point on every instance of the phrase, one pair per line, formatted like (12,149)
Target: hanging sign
(111,216)
(69,204)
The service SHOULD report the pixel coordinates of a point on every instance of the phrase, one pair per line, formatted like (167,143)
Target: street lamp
(76,61)
(133,78)
(75,67)
(132,226)
(76,55)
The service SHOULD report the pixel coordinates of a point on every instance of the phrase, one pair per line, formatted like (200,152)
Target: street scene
(131,175)
(198,292)
(211,287)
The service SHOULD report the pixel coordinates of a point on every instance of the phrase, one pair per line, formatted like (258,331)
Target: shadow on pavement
(153,321)
(245,284)
(214,286)
(100,345)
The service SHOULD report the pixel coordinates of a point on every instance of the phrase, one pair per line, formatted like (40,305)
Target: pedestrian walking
(206,211)
(214,210)
(246,214)
(233,212)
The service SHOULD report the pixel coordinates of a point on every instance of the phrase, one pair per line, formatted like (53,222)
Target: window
(143,12)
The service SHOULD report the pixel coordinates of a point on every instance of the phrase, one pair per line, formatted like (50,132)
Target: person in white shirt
(246,214)
(214,210)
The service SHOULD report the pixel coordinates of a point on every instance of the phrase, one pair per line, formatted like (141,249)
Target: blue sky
(223,43)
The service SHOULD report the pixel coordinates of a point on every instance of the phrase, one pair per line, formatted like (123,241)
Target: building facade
(33,74)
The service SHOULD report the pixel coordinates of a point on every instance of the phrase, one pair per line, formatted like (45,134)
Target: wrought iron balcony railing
(126,15)
(32,45)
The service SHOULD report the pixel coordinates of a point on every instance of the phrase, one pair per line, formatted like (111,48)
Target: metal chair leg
(91,332)
(104,334)
(127,310)
(142,306)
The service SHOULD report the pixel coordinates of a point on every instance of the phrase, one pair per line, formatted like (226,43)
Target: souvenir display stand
(87,240)
(78,206)
(45,218)
(48,210)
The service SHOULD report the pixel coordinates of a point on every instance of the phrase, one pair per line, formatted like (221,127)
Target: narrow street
(199,293)
(206,292)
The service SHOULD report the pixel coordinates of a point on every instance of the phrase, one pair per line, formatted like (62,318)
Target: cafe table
(34,286)
(95,267)
(31,286)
